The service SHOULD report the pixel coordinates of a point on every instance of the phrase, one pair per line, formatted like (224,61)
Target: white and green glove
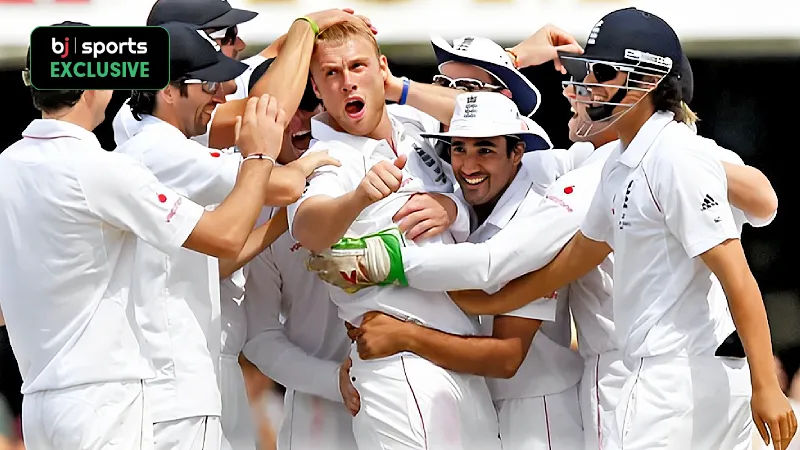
(355,263)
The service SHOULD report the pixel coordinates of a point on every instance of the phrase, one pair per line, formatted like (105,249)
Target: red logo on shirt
(569,189)
(162,198)
(215,154)
(295,247)
(559,202)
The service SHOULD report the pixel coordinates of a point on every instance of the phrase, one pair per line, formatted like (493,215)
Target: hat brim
(523,92)
(223,70)
(533,140)
(233,17)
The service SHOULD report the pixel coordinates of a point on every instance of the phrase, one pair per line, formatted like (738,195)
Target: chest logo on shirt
(569,189)
(162,198)
(431,163)
(215,154)
(622,222)
(295,247)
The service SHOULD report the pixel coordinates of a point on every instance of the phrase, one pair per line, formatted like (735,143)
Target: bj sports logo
(87,58)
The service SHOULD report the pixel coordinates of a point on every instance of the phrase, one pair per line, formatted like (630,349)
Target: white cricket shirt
(177,297)
(660,204)
(68,237)
(422,173)
(125,125)
(549,366)
(294,333)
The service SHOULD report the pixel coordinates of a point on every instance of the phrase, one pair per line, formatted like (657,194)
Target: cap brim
(523,92)
(230,18)
(223,70)
(533,140)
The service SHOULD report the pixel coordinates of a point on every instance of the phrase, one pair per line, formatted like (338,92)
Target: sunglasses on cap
(227,36)
(465,84)
(209,87)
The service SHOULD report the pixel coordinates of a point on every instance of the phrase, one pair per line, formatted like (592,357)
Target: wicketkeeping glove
(355,263)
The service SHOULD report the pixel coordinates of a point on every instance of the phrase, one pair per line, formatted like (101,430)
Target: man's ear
(383,64)
(314,87)
(168,94)
(518,151)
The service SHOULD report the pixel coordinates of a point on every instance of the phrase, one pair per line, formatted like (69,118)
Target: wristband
(260,156)
(314,26)
(404,94)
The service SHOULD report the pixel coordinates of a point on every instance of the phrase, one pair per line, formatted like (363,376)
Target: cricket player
(99,207)
(379,151)
(663,208)
(177,298)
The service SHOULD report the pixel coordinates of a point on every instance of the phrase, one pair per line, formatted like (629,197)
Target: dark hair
(511,144)
(143,103)
(668,96)
(52,101)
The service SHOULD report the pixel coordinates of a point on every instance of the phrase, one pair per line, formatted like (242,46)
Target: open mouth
(355,108)
(474,181)
(301,140)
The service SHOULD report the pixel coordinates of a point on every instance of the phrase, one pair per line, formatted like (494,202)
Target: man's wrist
(410,337)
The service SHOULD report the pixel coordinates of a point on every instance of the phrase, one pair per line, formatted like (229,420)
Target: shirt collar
(322,131)
(149,122)
(633,155)
(55,129)
(511,199)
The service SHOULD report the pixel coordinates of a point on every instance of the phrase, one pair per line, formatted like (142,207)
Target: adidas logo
(708,202)
(594,33)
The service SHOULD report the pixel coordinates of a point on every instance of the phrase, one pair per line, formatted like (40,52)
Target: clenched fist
(382,180)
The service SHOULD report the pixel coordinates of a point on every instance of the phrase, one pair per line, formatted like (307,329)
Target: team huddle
(408,259)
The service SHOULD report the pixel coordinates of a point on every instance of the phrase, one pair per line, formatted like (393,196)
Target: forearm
(435,101)
(477,355)
(261,238)
(274,49)
(321,221)
(287,76)
(750,190)
(235,217)
(285,187)
(289,365)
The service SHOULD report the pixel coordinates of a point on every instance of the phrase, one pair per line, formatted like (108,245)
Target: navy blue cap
(687,81)
(308,103)
(203,13)
(194,55)
(617,38)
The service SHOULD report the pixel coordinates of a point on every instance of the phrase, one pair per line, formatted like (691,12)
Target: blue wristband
(404,95)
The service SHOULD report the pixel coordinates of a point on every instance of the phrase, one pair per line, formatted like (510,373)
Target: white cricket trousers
(88,417)
(549,422)
(192,433)
(685,403)
(408,403)
(604,375)
(314,423)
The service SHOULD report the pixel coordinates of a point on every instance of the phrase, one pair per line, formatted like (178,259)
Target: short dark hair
(52,101)
(143,103)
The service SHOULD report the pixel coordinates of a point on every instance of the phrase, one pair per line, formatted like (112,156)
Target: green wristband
(314,26)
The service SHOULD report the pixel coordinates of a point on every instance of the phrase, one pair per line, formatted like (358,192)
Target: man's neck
(384,131)
(74,117)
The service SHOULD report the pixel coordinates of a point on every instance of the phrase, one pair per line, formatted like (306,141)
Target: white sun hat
(491,114)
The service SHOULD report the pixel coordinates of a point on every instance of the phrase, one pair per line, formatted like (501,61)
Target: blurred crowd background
(745,55)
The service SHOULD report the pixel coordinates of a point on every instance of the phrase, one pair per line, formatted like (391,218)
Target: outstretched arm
(577,258)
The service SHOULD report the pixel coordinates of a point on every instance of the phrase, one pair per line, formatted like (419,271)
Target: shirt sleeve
(125,194)
(204,175)
(543,309)
(692,191)
(326,180)
(461,228)
(526,244)
(546,166)
(267,346)
(597,223)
